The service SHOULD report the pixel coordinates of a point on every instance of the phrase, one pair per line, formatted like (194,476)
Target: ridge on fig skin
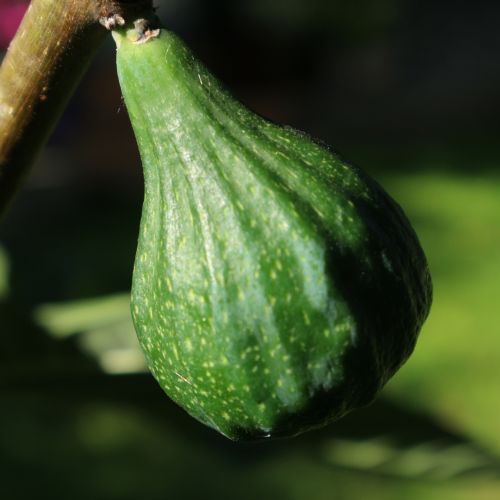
(275,287)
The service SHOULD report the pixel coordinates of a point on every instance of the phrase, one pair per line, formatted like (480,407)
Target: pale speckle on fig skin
(232,298)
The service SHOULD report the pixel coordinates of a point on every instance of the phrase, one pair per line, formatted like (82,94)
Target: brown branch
(49,54)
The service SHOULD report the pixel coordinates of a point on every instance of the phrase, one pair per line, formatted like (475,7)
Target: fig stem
(53,47)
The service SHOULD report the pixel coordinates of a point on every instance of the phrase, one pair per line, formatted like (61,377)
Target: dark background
(408,91)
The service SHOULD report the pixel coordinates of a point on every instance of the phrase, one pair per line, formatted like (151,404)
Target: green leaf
(104,328)
(4,273)
(62,320)
(437,459)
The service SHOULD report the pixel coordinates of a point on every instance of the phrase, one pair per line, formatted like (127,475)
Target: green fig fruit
(275,286)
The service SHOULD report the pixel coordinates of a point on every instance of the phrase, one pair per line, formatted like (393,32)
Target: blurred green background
(409,91)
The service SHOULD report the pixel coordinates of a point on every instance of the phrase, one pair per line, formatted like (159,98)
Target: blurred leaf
(62,320)
(432,460)
(302,479)
(454,372)
(104,327)
(115,347)
(4,273)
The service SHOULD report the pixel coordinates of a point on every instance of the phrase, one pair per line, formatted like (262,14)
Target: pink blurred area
(11,13)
